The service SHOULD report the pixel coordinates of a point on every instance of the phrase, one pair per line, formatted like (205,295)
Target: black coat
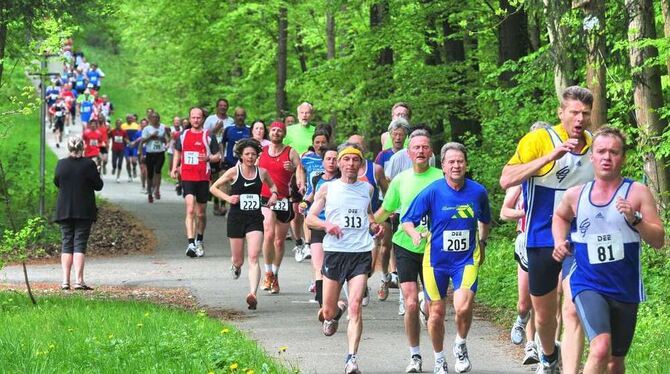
(76,179)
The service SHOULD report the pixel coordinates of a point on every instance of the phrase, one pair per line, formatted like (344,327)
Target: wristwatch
(638,218)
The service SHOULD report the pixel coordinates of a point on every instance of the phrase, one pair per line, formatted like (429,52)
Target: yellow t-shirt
(538,143)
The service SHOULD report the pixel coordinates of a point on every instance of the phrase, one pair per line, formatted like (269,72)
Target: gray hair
(455,146)
(75,145)
(399,123)
(539,125)
(419,132)
(348,144)
(304,103)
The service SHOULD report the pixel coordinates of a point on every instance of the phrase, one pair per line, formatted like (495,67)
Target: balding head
(358,139)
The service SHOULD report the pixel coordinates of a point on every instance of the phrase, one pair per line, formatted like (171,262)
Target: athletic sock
(199,237)
(458,340)
(268,268)
(552,357)
(298,242)
(415,351)
(522,320)
(191,241)
(386,277)
(439,357)
(275,269)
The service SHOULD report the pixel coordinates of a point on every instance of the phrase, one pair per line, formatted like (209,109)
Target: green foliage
(68,334)
(18,245)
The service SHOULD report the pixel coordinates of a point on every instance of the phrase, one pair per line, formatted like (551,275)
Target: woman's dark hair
(265,129)
(246,143)
(321,132)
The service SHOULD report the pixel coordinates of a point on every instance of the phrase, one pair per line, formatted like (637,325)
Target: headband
(349,151)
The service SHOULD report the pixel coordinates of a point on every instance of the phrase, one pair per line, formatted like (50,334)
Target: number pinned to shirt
(191,158)
(353,222)
(250,201)
(456,240)
(605,248)
(281,205)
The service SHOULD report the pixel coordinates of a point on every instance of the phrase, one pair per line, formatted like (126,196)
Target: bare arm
(299,171)
(312,220)
(513,175)
(650,228)
(217,187)
(560,223)
(508,211)
(265,177)
(381,178)
(176,159)
(382,215)
(483,229)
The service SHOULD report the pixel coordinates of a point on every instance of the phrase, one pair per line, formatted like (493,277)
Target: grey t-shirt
(400,162)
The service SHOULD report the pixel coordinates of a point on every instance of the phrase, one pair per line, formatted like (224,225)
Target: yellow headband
(349,151)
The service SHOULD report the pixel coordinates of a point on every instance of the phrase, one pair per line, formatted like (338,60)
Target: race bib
(456,240)
(604,248)
(191,158)
(93,143)
(353,221)
(85,109)
(249,201)
(281,205)
(156,146)
(118,139)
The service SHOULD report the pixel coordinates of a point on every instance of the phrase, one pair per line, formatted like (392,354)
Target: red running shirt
(117,140)
(92,143)
(194,152)
(275,167)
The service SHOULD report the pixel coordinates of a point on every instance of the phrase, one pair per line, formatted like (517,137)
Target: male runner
(457,210)
(194,150)
(233,134)
(347,246)
(132,129)
(154,139)
(613,215)
(548,162)
(119,140)
(281,162)
(409,258)
(212,122)
(92,139)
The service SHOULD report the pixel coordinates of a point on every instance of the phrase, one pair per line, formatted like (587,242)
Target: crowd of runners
(423,227)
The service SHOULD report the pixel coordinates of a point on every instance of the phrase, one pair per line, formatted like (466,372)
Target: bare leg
(254,243)
(545,320)
(357,287)
(410,291)
(463,299)
(66,264)
(573,336)
(78,260)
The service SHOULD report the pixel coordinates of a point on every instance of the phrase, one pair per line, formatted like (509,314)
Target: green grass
(73,334)
(650,351)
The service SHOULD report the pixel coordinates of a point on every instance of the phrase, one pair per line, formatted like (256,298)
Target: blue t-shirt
(453,217)
(86,110)
(80,83)
(232,135)
(384,156)
(94,77)
(313,165)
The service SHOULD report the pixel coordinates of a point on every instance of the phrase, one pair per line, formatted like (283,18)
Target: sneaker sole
(252,303)
(190,253)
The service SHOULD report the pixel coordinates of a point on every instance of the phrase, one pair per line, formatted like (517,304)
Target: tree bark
(383,86)
(534,31)
(596,79)
(379,13)
(330,35)
(281,101)
(512,38)
(300,49)
(3,44)
(564,65)
(665,7)
(647,93)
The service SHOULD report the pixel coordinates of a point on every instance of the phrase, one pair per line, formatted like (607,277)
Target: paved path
(287,319)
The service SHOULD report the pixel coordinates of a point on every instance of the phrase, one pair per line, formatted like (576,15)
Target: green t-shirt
(299,137)
(402,190)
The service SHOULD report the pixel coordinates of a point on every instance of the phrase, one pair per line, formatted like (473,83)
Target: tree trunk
(281,101)
(647,95)
(379,13)
(300,49)
(3,44)
(594,24)
(665,6)
(383,86)
(564,66)
(330,35)
(534,31)
(512,38)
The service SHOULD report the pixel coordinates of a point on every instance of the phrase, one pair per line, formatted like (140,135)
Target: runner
(330,173)
(233,134)
(193,153)
(547,162)
(458,211)
(219,120)
(612,215)
(260,133)
(245,221)
(142,154)
(58,112)
(119,141)
(409,258)
(92,139)
(347,245)
(52,93)
(154,139)
(282,162)
(174,136)
(103,129)
(85,107)
(399,110)
(132,130)
(312,163)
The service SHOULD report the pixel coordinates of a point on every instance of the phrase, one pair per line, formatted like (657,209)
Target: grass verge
(650,351)
(74,334)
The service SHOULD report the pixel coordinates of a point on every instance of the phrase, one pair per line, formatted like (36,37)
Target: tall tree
(513,40)
(665,8)
(594,25)
(564,65)
(330,34)
(647,95)
(281,100)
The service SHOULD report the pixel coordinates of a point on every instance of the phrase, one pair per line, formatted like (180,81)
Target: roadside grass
(650,351)
(73,334)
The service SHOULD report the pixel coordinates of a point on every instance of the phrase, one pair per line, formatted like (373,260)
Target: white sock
(275,269)
(386,277)
(414,351)
(268,268)
(458,340)
(439,357)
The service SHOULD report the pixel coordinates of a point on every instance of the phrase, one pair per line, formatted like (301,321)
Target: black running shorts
(342,266)
(198,189)
(240,225)
(409,264)
(543,270)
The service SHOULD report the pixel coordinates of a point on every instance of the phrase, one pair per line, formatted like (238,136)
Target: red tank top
(275,168)
(194,153)
(92,141)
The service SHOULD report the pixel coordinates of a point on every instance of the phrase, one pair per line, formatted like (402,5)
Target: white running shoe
(414,365)
(441,367)
(298,253)
(190,250)
(518,332)
(423,314)
(530,354)
(199,248)
(235,271)
(118,180)
(352,366)
(307,252)
(462,364)
(547,368)
(366,297)
(401,305)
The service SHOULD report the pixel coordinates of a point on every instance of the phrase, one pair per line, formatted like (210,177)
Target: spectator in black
(77,178)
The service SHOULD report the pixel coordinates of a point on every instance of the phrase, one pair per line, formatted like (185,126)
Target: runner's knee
(599,349)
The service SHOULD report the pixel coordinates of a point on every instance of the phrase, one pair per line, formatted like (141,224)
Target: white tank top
(347,206)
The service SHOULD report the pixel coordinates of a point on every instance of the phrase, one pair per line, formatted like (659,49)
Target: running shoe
(383,292)
(462,364)
(518,332)
(330,327)
(366,297)
(251,301)
(530,355)
(401,306)
(312,287)
(177,189)
(394,280)
(118,180)
(190,250)
(199,248)
(274,289)
(351,366)
(441,367)
(158,195)
(546,367)
(423,314)
(235,271)
(151,198)
(414,365)
(267,281)
(298,253)
(307,252)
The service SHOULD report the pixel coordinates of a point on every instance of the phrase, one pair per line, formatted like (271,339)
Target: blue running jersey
(313,165)
(232,135)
